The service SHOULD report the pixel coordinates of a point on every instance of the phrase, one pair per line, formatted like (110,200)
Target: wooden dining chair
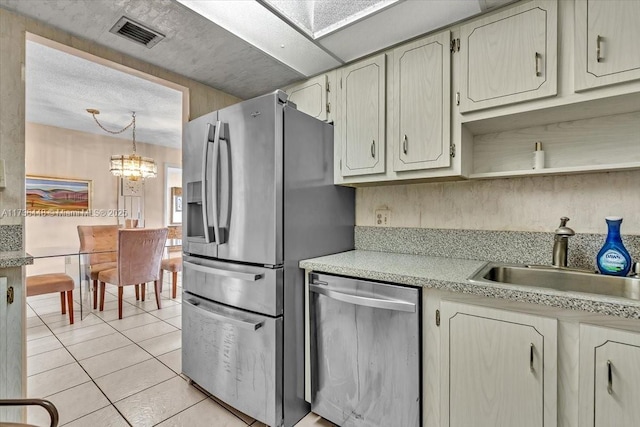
(173,264)
(138,262)
(104,240)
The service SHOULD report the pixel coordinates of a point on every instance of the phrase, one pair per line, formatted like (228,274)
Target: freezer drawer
(234,355)
(251,288)
(365,352)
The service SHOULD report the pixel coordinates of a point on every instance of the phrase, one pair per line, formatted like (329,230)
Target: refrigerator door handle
(249,277)
(226,182)
(387,304)
(215,190)
(223,317)
(203,187)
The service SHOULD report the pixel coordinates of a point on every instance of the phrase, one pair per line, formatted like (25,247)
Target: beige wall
(58,152)
(13,29)
(517,204)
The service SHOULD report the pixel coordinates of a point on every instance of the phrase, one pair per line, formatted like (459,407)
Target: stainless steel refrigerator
(258,178)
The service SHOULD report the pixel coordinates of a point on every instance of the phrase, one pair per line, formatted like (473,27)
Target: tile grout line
(112,403)
(91,379)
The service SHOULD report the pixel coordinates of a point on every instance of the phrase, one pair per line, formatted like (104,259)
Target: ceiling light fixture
(129,166)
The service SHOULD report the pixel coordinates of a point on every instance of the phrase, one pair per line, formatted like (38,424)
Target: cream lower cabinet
(12,304)
(361,130)
(421,104)
(609,377)
(498,368)
(606,42)
(510,56)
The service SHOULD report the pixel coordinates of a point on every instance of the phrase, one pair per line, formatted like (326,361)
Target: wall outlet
(383,217)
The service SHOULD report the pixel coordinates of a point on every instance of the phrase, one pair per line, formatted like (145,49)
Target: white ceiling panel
(400,22)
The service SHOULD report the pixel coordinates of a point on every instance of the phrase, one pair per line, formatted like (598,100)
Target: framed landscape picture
(57,195)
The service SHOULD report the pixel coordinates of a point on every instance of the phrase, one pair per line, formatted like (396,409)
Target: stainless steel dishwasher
(365,345)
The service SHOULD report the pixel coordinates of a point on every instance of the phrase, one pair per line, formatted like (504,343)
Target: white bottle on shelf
(538,156)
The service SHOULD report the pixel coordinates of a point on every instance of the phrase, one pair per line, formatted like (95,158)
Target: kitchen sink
(560,279)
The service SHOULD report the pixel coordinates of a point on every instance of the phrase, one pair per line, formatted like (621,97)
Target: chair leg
(62,303)
(119,302)
(137,292)
(156,284)
(174,280)
(144,289)
(102,286)
(70,305)
(95,294)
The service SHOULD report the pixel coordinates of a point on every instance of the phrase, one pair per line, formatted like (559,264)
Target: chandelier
(129,166)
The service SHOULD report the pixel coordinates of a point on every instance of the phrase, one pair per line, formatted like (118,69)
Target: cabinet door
(362,117)
(422,89)
(609,377)
(510,56)
(498,367)
(606,41)
(11,343)
(311,97)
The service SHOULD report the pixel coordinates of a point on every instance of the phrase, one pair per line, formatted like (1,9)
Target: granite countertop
(451,274)
(12,259)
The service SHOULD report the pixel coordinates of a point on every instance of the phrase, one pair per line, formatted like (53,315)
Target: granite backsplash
(501,246)
(10,238)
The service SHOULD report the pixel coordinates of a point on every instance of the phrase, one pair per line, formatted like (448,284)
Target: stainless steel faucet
(561,243)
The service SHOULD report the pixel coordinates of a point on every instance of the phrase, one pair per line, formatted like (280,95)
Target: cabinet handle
(599,57)
(373,149)
(405,145)
(538,57)
(531,347)
(609,378)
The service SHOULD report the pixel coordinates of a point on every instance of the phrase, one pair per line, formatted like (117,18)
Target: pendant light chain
(116,132)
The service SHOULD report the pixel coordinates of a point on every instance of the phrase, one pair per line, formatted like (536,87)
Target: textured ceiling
(202,50)
(60,87)
(193,47)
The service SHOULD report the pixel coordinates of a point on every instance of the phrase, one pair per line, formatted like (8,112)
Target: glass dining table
(76,264)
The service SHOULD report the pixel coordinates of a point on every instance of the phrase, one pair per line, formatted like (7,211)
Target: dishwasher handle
(386,304)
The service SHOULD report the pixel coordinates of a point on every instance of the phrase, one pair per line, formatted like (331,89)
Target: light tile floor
(105,372)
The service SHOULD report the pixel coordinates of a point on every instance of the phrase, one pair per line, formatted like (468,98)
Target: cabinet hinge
(455,45)
(457,98)
(452,150)
(437,317)
(10,295)
(328,107)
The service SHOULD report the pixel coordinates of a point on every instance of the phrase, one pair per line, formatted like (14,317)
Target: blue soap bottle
(614,259)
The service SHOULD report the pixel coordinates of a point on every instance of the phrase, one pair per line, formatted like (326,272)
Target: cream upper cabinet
(361,128)
(510,56)
(311,97)
(609,377)
(606,42)
(498,368)
(421,104)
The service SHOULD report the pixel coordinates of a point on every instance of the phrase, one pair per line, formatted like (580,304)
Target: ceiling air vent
(131,30)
